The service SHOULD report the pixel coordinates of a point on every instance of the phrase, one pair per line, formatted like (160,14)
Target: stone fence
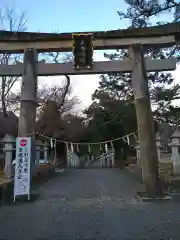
(73,161)
(166,160)
(107,159)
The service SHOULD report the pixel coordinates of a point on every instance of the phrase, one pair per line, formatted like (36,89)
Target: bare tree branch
(10,21)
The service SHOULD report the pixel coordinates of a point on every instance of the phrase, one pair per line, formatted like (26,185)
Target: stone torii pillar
(27,117)
(146,131)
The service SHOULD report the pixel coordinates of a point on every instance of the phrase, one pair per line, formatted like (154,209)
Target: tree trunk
(3,102)
(65,91)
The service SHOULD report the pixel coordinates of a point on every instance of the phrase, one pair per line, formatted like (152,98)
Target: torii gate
(133,39)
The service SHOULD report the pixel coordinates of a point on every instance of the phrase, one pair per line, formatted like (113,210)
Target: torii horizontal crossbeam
(53,69)
(157,36)
(99,44)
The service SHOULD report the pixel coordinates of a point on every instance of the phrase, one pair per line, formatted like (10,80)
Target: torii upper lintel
(164,35)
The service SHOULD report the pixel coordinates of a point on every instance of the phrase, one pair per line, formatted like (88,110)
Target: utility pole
(146,131)
(27,119)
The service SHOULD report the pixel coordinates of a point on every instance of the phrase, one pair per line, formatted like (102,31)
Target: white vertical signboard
(23,167)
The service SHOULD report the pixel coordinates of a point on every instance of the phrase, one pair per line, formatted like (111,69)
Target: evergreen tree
(163,89)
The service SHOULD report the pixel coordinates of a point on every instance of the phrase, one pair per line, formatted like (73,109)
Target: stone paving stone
(90,204)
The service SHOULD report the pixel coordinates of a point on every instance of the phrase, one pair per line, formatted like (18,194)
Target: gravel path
(90,204)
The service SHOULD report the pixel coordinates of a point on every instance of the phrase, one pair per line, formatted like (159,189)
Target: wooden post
(46,152)
(28,94)
(38,152)
(138,156)
(146,132)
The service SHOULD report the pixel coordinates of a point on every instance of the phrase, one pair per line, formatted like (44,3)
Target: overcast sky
(72,16)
